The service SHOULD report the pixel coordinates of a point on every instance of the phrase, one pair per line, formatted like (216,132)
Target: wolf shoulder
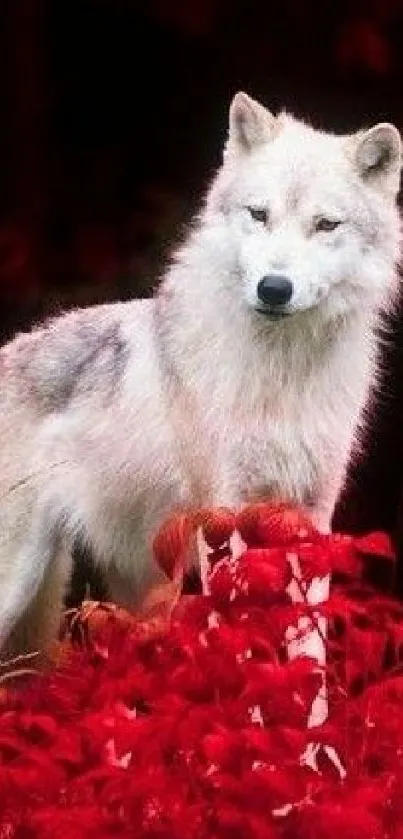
(87,351)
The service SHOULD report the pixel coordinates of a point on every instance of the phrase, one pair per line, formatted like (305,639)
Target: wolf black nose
(275,290)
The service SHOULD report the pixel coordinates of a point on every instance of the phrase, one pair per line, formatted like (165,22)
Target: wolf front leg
(39,624)
(34,572)
(308,638)
(331,485)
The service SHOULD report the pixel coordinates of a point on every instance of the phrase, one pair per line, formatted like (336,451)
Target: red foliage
(195,729)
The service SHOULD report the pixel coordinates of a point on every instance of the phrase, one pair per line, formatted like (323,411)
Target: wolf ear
(250,124)
(379,157)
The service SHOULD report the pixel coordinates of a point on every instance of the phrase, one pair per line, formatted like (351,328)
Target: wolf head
(310,217)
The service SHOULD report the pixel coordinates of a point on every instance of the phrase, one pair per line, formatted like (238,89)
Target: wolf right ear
(378,155)
(250,124)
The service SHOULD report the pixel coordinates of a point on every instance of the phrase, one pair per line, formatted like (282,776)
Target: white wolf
(245,377)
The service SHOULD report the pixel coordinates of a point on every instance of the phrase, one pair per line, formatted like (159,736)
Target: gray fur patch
(61,362)
(294,195)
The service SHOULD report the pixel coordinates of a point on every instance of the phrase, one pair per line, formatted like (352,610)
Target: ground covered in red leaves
(192,724)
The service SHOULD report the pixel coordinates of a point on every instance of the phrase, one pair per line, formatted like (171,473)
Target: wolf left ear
(379,157)
(250,124)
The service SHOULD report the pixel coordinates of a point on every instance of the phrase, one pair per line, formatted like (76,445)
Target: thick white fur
(113,416)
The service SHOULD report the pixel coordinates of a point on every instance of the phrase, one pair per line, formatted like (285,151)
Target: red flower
(194,727)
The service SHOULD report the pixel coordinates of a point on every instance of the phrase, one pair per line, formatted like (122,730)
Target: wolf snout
(274,290)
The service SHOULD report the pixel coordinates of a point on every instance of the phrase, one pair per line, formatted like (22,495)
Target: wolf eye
(258,214)
(325,225)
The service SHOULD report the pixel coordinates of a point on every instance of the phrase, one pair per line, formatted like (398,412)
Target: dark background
(112,119)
